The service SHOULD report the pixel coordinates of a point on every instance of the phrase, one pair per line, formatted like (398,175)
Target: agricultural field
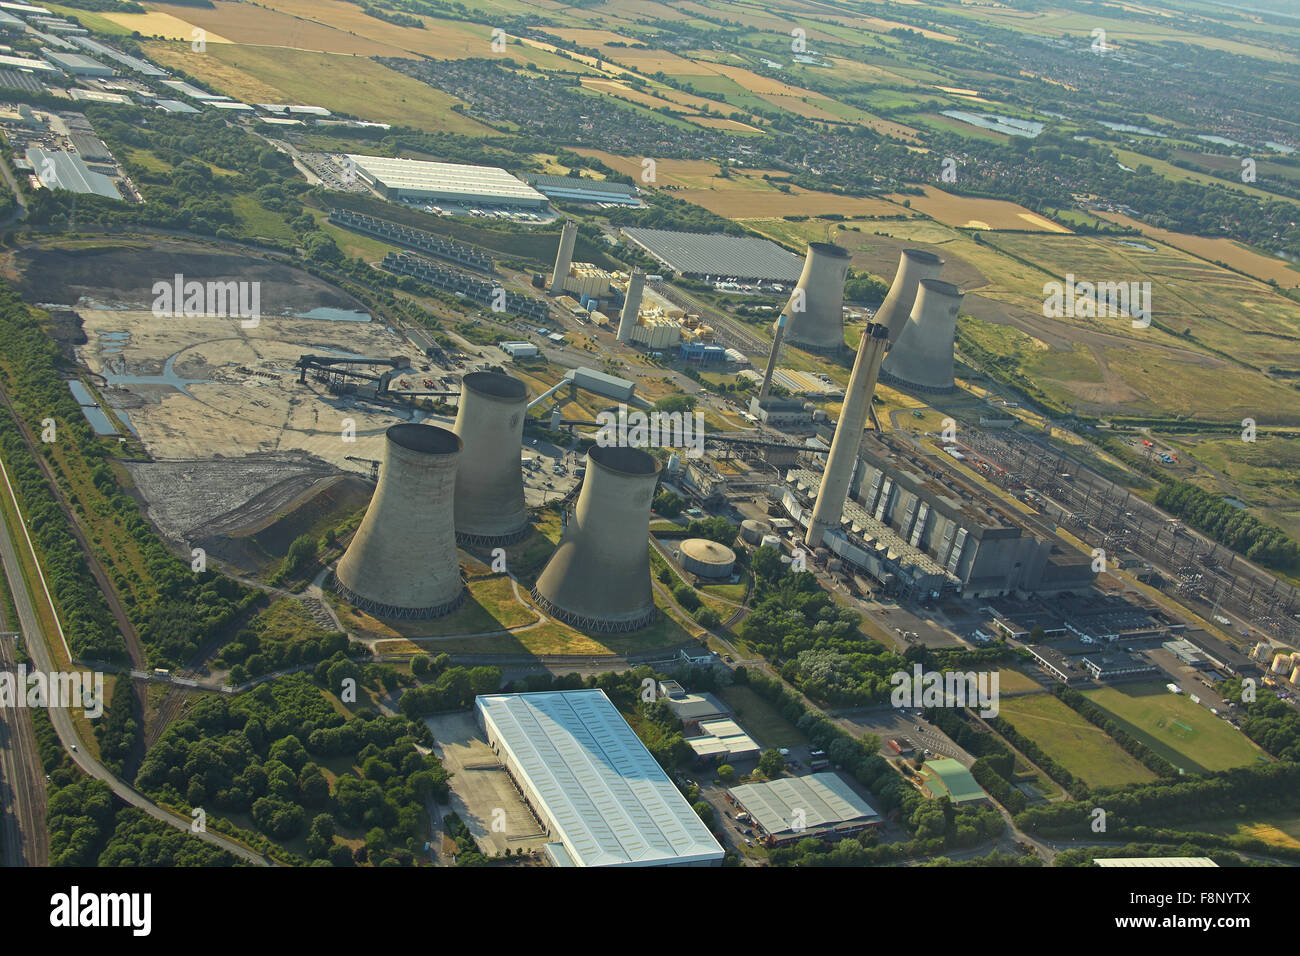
(1282,830)
(971,213)
(1184,733)
(1081,748)
(262,74)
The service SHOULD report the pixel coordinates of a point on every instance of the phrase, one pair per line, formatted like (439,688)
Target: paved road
(30,626)
(26,840)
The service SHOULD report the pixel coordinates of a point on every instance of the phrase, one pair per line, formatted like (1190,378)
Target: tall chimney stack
(564,256)
(777,336)
(631,305)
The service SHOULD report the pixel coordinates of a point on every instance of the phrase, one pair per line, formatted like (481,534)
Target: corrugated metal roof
(609,801)
(819,799)
(61,170)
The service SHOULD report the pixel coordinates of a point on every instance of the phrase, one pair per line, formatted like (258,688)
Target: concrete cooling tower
(489,479)
(599,577)
(402,562)
(564,257)
(829,507)
(913,266)
(921,358)
(819,325)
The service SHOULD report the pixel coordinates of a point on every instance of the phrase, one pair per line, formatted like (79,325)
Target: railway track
(26,839)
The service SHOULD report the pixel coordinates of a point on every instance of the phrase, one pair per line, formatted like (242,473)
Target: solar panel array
(714,254)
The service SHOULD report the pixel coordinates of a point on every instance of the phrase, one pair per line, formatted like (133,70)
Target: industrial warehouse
(592,783)
(412,180)
(795,808)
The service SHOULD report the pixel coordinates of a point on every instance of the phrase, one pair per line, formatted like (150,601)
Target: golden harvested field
(1230,253)
(718,122)
(271,75)
(591,38)
(170,26)
(980,213)
(745,195)
(245,23)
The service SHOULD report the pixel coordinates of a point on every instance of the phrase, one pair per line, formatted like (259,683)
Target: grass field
(1281,830)
(1084,750)
(263,74)
(760,719)
(1182,732)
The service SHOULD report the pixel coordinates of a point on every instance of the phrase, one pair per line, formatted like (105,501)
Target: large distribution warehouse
(592,783)
(413,179)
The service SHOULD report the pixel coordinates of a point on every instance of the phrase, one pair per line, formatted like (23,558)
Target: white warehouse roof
(822,800)
(593,782)
(447,179)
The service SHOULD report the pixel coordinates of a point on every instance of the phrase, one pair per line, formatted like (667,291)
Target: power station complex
(438,487)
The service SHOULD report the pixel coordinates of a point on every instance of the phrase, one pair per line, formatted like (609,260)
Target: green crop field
(1084,750)
(1184,733)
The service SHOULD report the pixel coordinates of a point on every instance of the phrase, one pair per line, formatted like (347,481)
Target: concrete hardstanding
(631,305)
(489,477)
(922,355)
(829,507)
(402,561)
(913,266)
(599,577)
(819,324)
(564,257)
(777,335)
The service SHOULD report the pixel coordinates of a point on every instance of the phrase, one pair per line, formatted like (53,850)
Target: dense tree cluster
(1269,722)
(262,754)
(1229,525)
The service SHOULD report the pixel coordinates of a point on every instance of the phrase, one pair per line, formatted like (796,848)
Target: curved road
(62,719)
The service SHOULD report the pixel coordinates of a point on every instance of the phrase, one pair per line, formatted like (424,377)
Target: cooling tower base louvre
(467,540)
(831,351)
(376,609)
(904,384)
(595,625)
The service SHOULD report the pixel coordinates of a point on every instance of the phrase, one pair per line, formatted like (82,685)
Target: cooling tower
(921,357)
(402,562)
(564,257)
(913,266)
(599,577)
(631,305)
(489,478)
(817,322)
(829,507)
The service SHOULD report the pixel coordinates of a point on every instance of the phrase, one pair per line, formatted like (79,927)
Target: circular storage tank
(707,559)
(752,530)
(771,541)
(1295,676)
(1281,663)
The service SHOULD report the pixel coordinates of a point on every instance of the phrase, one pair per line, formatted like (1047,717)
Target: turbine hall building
(414,180)
(593,785)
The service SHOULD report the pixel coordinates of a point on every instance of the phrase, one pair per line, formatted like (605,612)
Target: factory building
(570,189)
(598,579)
(489,509)
(945,777)
(402,562)
(62,170)
(818,805)
(594,786)
(413,180)
(915,525)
